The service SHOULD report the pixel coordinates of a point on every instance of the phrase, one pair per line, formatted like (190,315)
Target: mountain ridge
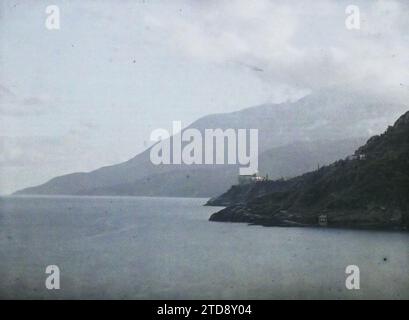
(279,125)
(368,190)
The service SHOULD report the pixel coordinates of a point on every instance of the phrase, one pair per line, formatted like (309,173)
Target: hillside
(314,122)
(370,190)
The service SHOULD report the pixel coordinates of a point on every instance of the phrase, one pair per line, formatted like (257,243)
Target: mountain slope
(207,180)
(331,114)
(370,190)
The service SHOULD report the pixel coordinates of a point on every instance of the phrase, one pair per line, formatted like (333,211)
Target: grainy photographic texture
(204,150)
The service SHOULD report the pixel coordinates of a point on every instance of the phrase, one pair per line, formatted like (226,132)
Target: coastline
(240,214)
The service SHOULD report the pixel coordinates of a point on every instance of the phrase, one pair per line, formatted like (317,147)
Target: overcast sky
(89,94)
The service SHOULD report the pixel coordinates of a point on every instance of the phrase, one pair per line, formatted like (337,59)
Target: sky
(90,93)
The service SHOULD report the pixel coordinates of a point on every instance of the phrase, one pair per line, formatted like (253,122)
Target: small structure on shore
(360,156)
(250,178)
(323,220)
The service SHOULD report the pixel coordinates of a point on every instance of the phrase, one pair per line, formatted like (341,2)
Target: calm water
(139,248)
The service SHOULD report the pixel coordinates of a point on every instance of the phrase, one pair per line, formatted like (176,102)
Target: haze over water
(165,248)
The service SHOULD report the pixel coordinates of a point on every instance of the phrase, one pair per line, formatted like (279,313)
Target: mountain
(367,190)
(210,180)
(314,122)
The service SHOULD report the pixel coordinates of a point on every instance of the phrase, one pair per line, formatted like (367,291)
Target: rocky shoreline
(240,214)
(367,190)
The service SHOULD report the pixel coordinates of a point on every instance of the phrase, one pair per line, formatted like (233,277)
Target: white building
(356,157)
(250,178)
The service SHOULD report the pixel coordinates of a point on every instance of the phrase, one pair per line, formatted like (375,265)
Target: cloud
(13,105)
(30,160)
(294,47)
(300,44)
(23,151)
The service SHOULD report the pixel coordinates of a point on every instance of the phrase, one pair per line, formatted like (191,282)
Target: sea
(165,248)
